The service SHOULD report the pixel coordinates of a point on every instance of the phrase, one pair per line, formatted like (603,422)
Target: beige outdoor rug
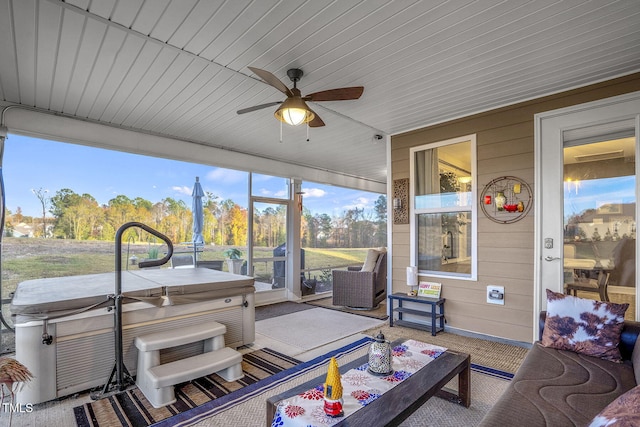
(310,329)
(496,355)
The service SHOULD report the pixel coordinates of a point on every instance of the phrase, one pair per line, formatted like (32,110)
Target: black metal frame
(120,378)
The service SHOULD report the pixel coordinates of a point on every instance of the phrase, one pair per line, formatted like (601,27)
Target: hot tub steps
(156,380)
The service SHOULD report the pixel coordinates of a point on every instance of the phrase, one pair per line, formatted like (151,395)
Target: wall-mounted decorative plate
(506,199)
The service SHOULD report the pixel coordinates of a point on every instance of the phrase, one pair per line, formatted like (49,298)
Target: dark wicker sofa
(563,388)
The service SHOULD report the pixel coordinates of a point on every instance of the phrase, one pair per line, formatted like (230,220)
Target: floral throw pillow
(622,412)
(584,326)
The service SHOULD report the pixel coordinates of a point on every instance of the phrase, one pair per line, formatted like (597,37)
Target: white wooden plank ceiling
(179,67)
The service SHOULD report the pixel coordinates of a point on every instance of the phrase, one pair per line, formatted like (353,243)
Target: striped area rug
(131,408)
(258,393)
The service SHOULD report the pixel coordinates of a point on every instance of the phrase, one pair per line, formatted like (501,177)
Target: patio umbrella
(198,217)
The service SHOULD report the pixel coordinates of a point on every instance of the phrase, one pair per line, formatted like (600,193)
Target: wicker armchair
(361,289)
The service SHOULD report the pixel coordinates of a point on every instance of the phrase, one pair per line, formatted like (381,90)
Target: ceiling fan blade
(341,94)
(272,80)
(258,107)
(317,121)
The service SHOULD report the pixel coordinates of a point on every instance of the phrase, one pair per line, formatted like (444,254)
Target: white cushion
(370,260)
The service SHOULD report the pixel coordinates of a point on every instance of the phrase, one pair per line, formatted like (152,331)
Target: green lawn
(26,259)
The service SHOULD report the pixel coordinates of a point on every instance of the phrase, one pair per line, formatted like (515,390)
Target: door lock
(548,243)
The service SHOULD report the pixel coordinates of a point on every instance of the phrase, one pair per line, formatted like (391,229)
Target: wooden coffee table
(397,404)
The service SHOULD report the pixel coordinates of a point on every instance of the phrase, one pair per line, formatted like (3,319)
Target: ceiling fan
(294,110)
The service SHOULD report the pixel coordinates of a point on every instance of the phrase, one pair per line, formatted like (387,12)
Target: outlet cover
(495,294)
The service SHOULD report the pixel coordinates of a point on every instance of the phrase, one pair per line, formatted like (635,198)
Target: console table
(436,314)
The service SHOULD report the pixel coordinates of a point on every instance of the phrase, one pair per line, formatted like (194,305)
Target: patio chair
(585,275)
(211,265)
(624,260)
(182,261)
(358,289)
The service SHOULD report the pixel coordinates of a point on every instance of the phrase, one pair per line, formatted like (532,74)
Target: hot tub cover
(189,285)
(54,297)
(62,294)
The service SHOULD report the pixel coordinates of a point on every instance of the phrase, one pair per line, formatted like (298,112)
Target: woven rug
(487,385)
(496,355)
(132,408)
(379,312)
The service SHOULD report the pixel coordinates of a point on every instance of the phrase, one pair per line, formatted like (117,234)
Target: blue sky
(31,163)
(594,193)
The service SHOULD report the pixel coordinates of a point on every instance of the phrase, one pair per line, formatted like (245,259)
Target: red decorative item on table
(333,408)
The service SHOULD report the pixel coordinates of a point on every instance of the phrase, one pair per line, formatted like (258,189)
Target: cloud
(280,194)
(313,192)
(360,203)
(182,190)
(226,176)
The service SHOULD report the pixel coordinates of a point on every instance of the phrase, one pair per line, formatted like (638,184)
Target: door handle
(551,258)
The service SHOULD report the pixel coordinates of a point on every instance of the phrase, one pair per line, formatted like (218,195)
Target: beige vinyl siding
(505,146)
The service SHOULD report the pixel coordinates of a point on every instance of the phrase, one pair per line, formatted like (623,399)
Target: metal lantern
(380,356)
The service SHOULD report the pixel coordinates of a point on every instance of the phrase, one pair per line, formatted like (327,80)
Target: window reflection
(444,242)
(600,221)
(443,177)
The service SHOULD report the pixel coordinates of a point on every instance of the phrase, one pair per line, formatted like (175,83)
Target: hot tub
(77,314)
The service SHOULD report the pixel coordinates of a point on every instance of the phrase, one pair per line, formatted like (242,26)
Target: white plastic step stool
(156,380)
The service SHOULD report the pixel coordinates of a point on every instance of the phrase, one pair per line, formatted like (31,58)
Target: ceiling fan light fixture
(294,111)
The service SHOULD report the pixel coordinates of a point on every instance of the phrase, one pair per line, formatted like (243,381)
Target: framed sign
(429,289)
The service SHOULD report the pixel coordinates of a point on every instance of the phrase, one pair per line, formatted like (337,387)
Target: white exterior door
(585,195)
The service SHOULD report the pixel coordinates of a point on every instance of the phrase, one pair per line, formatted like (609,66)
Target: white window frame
(473,207)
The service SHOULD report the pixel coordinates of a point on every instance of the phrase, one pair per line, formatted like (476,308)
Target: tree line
(81,217)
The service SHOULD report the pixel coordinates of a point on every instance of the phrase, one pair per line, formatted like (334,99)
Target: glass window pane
(269,245)
(337,227)
(82,207)
(443,176)
(273,187)
(600,220)
(444,242)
